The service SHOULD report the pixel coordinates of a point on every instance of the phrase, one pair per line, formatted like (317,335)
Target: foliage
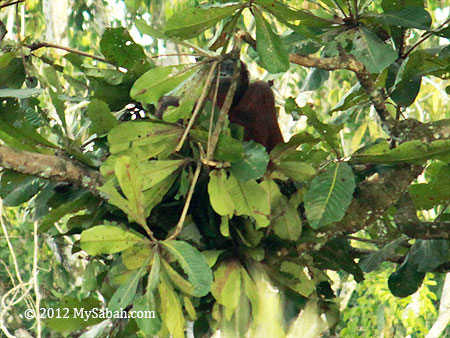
(181,217)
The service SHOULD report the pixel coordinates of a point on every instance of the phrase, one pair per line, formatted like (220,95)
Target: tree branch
(50,167)
(38,45)
(425,230)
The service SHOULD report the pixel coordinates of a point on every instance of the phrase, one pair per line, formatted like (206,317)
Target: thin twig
(180,223)
(199,105)
(39,45)
(11,3)
(37,294)
(425,37)
(211,118)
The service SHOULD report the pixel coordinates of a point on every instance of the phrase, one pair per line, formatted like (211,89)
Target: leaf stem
(180,223)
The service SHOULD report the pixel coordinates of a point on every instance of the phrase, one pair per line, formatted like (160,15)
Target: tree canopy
(107,207)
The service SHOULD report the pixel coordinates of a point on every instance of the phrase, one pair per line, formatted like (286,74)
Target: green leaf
(370,50)
(118,46)
(219,194)
(411,152)
(429,254)
(389,5)
(316,77)
(193,264)
(125,293)
(18,188)
(285,13)
(286,221)
(328,131)
(79,203)
(335,255)
(250,199)
(254,164)
(134,209)
(144,28)
(406,279)
(155,194)
(303,285)
(372,261)
(131,183)
(149,326)
(148,135)
(271,50)
(329,195)
(158,81)
(136,256)
(177,280)
(211,256)
(71,307)
(100,115)
(106,239)
(153,276)
(190,22)
(228,149)
(295,170)
(155,171)
(227,286)
(410,17)
(171,311)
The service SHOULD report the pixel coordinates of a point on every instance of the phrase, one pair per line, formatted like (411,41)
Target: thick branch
(51,167)
(426,230)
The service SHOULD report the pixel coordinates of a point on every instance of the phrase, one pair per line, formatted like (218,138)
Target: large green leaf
(79,203)
(137,134)
(193,264)
(155,171)
(286,222)
(101,117)
(429,254)
(149,326)
(106,239)
(228,149)
(295,170)
(250,199)
(406,279)
(158,81)
(171,311)
(144,28)
(254,164)
(411,17)
(329,195)
(271,50)
(227,286)
(125,293)
(219,194)
(118,46)
(190,22)
(16,188)
(370,50)
(411,152)
(372,261)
